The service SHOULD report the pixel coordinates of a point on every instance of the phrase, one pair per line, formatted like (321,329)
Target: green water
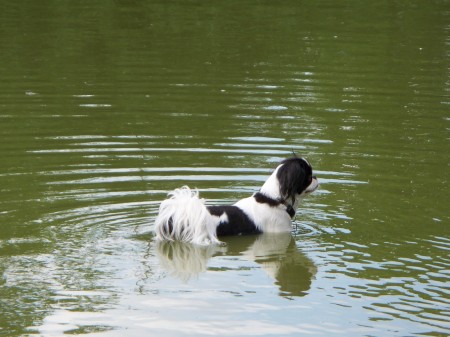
(107,106)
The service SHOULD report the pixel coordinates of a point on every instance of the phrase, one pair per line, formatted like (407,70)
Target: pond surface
(107,106)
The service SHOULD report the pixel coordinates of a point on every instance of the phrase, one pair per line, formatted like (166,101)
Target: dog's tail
(184,217)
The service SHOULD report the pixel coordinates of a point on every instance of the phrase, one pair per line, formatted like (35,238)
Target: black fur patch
(238,222)
(264,199)
(294,177)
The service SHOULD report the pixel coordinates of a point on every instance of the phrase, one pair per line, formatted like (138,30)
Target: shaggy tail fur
(184,217)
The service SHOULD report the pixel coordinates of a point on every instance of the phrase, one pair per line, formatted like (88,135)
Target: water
(105,107)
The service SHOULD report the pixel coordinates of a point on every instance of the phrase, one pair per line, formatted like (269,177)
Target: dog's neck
(264,199)
(270,194)
(271,187)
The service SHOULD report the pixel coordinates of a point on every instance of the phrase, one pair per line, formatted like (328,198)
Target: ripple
(95,105)
(276,107)
(102,180)
(410,286)
(243,145)
(153,150)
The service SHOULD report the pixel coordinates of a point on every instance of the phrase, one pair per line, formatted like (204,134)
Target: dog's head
(295,178)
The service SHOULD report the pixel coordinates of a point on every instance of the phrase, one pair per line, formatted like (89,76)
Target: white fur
(190,219)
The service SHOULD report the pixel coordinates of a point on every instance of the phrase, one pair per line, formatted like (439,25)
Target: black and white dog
(185,217)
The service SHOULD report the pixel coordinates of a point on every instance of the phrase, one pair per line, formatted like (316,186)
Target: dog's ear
(291,177)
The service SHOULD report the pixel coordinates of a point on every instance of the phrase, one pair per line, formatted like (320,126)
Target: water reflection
(277,254)
(183,260)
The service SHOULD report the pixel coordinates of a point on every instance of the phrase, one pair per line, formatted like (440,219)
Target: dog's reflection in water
(277,253)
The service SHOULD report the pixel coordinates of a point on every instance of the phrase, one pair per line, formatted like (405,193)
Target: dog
(185,217)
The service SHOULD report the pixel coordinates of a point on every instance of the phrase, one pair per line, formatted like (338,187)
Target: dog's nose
(314,177)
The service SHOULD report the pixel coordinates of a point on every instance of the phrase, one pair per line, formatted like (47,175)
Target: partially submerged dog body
(185,217)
